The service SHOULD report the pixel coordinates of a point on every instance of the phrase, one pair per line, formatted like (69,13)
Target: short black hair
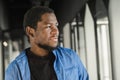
(33,15)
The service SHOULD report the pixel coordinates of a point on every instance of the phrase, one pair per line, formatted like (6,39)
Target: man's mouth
(54,39)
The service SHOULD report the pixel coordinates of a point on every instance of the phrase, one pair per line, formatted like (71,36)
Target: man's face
(46,33)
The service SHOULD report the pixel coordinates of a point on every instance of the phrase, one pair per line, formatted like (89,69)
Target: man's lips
(54,38)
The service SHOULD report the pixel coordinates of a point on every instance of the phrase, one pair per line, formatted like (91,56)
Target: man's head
(33,15)
(40,24)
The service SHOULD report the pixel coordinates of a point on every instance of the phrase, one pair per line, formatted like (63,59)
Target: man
(44,60)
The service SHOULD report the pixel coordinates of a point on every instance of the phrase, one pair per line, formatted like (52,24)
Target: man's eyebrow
(47,22)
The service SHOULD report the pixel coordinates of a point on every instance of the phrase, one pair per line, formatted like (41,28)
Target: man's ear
(29,31)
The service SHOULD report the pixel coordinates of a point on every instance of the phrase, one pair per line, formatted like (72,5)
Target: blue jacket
(67,65)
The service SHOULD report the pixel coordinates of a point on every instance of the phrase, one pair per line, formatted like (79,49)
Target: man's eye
(48,26)
(57,24)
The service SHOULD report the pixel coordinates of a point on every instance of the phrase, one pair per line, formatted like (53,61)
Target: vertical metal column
(1,61)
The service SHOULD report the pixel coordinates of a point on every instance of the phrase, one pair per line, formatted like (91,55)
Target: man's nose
(55,29)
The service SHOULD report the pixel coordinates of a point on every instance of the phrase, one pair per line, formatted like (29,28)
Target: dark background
(65,11)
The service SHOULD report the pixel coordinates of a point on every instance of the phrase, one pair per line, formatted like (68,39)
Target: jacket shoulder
(21,56)
(66,55)
(13,70)
(65,51)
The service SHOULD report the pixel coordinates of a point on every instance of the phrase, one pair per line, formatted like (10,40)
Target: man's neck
(39,51)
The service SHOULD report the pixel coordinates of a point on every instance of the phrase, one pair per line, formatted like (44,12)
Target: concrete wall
(90,46)
(114,11)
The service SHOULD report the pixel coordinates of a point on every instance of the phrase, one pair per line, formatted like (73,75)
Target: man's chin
(46,47)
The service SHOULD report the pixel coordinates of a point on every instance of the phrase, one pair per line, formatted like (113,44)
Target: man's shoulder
(61,51)
(65,49)
(21,56)
(66,56)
